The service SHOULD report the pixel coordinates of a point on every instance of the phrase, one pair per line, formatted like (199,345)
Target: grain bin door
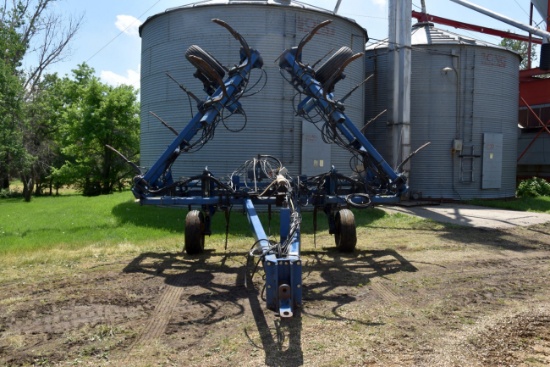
(315,152)
(492,161)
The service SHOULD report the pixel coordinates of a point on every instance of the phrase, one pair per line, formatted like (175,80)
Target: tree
(96,115)
(28,29)
(12,152)
(522,48)
(43,34)
(43,117)
(13,156)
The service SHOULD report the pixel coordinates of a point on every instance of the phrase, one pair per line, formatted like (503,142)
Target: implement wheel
(345,234)
(330,66)
(194,232)
(195,50)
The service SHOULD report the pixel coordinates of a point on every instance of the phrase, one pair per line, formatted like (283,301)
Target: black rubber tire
(195,50)
(330,66)
(194,232)
(345,234)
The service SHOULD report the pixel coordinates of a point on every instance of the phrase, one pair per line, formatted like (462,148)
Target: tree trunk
(5,182)
(27,187)
(106,171)
(38,187)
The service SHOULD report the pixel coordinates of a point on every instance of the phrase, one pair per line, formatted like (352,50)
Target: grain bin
(464,98)
(272,127)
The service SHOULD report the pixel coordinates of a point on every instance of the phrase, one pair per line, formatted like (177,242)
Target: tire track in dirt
(385,293)
(66,319)
(160,317)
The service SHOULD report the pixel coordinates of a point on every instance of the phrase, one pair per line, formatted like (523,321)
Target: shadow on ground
(229,277)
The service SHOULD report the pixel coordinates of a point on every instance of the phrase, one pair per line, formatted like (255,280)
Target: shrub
(533,187)
(8,193)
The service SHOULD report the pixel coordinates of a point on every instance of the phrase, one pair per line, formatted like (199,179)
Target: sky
(109,41)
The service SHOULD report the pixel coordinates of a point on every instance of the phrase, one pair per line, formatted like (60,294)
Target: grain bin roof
(287,3)
(426,34)
(296,4)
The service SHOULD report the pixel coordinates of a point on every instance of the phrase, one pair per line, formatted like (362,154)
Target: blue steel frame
(283,274)
(159,175)
(305,82)
(283,269)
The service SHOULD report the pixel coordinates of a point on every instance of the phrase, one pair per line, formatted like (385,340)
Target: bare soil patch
(424,296)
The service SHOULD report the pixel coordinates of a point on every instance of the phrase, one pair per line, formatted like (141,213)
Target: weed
(318,346)
(102,332)
(15,341)
(42,361)
(533,360)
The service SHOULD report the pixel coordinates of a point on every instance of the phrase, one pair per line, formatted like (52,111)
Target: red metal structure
(534,114)
(424,17)
(534,88)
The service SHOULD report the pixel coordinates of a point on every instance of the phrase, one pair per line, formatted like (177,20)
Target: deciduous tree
(521,48)
(30,29)
(12,152)
(96,115)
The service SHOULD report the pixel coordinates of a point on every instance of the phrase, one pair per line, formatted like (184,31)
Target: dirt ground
(444,296)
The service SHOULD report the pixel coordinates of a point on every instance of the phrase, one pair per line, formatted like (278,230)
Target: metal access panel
(315,152)
(492,161)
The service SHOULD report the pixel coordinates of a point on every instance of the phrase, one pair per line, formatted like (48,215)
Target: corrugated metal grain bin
(272,127)
(464,100)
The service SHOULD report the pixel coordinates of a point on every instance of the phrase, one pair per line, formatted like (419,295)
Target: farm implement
(263,181)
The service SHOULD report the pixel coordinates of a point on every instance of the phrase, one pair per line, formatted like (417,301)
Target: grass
(61,233)
(110,222)
(540,204)
(74,222)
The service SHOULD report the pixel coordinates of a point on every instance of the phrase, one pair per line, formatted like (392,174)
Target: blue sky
(109,41)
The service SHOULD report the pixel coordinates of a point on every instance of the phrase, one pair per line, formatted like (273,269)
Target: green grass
(540,204)
(75,221)
(72,222)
